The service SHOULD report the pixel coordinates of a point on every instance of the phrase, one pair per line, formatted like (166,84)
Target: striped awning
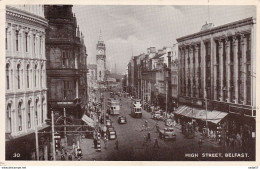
(201,114)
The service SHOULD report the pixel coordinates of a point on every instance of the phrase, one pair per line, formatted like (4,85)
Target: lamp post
(53,141)
(36,139)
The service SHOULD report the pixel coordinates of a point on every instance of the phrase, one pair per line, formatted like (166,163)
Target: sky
(130,30)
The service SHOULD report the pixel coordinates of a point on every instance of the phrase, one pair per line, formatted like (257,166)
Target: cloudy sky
(132,29)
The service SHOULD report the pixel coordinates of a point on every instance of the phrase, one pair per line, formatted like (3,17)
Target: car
(108,122)
(111,133)
(78,152)
(156,115)
(122,120)
(167,134)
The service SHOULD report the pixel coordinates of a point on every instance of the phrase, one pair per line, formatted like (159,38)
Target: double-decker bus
(113,106)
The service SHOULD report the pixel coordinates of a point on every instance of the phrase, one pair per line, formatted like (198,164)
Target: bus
(136,110)
(113,106)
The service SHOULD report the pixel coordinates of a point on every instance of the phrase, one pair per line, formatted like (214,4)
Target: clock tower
(101,59)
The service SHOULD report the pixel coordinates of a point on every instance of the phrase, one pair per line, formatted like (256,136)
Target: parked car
(122,120)
(108,122)
(111,133)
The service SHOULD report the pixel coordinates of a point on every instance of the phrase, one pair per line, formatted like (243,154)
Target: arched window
(34,42)
(20,122)
(9,118)
(28,76)
(42,109)
(41,74)
(35,76)
(18,77)
(36,112)
(17,40)
(7,76)
(29,114)
(26,42)
(6,38)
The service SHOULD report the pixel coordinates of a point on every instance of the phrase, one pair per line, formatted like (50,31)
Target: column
(215,74)
(191,69)
(228,68)
(23,118)
(221,69)
(197,69)
(186,70)
(253,64)
(203,69)
(13,120)
(235,49)
(243,50)
(77,88)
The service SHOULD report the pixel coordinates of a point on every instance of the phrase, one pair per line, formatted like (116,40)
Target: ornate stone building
(25,82)
(217,71)
(101,59)
(66,62)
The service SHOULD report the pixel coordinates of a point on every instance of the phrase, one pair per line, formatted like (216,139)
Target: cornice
(25,17)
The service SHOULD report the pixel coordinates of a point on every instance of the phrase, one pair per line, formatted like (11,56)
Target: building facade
(66,62)
(217,72)
(101,59)
(25,87)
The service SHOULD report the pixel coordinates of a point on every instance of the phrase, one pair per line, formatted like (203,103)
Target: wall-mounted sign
(64,102)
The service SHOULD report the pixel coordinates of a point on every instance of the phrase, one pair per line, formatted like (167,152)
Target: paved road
(131,142)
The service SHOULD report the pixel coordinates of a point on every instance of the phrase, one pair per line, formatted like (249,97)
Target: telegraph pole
(65,135)
(53,141)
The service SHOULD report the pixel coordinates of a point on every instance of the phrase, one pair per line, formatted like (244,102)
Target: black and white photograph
(130,82)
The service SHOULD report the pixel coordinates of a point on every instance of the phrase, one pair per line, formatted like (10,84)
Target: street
(131,144)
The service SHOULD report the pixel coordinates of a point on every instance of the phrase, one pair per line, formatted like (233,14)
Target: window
(28,76)
(42,109)
(36,112)
(29,114)
(6,40)
(7,77)
(40,45)
(34,41)
(41,82)
(67,90)
(18,76)
(65,59)
(9,118)
(16,39)
(20,116)
(26,42)
(35,76)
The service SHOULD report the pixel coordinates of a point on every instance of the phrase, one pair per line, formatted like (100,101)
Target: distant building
(101,59)
(25,92)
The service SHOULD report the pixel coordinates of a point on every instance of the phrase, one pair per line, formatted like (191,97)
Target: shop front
(23,147)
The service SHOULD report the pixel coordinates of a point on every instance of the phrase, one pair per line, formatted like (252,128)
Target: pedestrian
(200,143)
(148,136)
(145,140)
(70,157)
(157,126)
(146,123)
(116,145)
(95,143)
(156,144)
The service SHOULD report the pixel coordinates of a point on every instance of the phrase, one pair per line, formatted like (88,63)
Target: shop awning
(201,114)
(219,117)
(88,120)
(179,109)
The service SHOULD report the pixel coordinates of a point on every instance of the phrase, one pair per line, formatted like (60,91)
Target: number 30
(16,155)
